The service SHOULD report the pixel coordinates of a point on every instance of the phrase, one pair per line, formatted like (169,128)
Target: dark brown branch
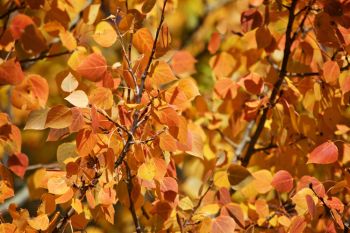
(309,74)
(132,206)
(154,47)
(276,88)
(43,56)
(7,13)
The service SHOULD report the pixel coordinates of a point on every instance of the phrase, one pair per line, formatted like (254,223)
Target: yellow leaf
(147,170)
(186,203)
(105,34)
(221,179)
(57,185)
(40,222)
(300,200)
(262,181)
(68,40)
(77,206)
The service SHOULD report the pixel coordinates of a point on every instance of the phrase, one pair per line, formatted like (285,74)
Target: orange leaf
(325,153)
(11,73)
(226,87)
(101,97)
(214,43)
(59,117)
(41,222)
(18,24)
(93,67)
(162,74)
(57,185)
(282,181)
(183,63)
(86,141)
(253,83)
(68,40)
(31,94)
(143,41)
(223,224)
(331,72)
(105,34)
(167,142)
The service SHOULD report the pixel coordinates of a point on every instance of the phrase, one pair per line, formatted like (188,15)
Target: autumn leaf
(59,117)
(237,173)
(11,73)
(57,185)
(325,153)
(183,62)
(223,224)
(69,83)
(105,35)
(18,24)
(78,99)
(143,41)
(18,164)
(282,181)
(93,67)
(331,72)
(214,43)
(32,93)
(41,222)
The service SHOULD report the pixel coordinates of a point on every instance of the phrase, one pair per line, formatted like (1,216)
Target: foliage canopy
(174,116)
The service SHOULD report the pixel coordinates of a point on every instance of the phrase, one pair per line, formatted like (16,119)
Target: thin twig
(132,206)
(43,56)
(194,210)
(150,59)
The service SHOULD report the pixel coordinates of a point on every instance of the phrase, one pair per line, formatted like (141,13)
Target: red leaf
(18,24)
(282,181)
(325,153)
(93,67)
(214,43)
(18,164)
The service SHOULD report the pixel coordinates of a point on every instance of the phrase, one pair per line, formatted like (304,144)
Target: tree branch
(276,88)
(43,56)
(132,206)
(154,47)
